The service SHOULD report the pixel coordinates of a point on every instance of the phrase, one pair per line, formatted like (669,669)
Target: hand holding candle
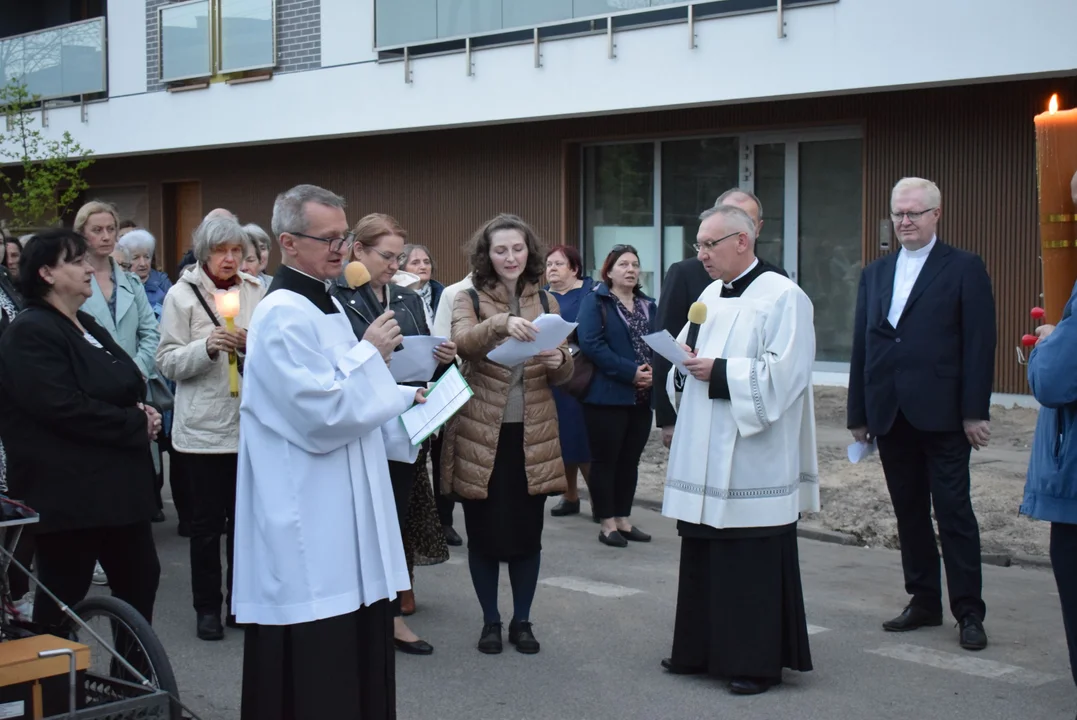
(228,308)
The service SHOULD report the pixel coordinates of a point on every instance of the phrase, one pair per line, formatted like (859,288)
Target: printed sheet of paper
(416,362)
(443,400)
(860,450)
(552,331)
(667,346)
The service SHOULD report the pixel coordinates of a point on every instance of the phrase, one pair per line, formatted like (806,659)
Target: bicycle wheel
(133,638)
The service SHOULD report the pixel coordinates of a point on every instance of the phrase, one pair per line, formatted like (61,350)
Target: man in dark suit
(920,384)
(684,283)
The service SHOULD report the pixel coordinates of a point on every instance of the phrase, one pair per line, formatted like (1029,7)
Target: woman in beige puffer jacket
(502,453)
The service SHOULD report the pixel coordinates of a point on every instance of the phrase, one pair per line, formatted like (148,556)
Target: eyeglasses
(912,216)
(711,244)
(624,249)
(335,244)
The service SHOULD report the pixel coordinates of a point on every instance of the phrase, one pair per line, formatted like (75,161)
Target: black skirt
(339,667)
(740,606)
(508,523)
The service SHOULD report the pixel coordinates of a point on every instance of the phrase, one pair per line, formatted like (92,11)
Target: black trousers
(444,503)
(178,481)
(211,480)
(65,565)
(618,434)
(1064,565)
(925,469)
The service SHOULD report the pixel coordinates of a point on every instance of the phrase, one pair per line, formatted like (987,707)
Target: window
(63,61)
(201,38)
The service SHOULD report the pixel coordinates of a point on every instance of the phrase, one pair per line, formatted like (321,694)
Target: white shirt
(443,315)
(909,265)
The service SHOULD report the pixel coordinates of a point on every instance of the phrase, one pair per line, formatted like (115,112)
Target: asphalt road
(605,618)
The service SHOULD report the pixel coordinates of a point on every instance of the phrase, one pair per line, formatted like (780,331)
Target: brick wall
(299,38)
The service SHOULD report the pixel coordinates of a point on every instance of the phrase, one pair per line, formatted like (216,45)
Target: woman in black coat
(77,434)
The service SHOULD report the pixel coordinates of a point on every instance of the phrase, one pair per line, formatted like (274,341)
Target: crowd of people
(279,423)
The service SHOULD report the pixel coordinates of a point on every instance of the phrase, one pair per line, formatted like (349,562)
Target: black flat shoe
(676,669)
(635,535)
(158,517)
(972,634)
(521,636)
(566,507)
(184,529)
(418,647)
(614,539)
(752,686)
(451,536)
(490,639)
(912,618)
(209,627)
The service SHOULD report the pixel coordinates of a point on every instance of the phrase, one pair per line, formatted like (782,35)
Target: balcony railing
(63,61)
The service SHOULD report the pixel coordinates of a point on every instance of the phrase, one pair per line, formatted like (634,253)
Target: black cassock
(740,602)
(342,667)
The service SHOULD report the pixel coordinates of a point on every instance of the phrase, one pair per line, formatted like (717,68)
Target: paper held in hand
(415,362)
(860,450)
(443,400)
(552,331)
(667,346)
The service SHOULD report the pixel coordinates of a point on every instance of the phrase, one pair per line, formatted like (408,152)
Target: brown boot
(407,602)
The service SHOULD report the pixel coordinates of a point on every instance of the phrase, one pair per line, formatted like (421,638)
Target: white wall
(849,46)
(126,48)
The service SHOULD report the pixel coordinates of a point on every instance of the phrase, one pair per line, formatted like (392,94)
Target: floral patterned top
(638,323)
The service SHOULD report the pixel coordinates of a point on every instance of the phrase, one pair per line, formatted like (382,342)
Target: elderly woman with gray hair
(194,350)
(138,247)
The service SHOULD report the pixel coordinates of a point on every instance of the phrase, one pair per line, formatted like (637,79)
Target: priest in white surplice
(318,554)
(742,467)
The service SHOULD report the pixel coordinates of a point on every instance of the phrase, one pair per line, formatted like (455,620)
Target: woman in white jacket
(194,350)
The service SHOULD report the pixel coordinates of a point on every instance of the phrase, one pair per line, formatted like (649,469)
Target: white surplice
(316,533)
(749,461)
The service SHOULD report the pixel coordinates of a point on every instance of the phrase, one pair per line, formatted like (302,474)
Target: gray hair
(214,232)
(259,237)
(737,218)
(288,213)
(138,240)
(932,194)
(732,192)
(405,255)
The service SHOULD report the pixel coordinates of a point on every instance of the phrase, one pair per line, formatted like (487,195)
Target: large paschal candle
(1056,163)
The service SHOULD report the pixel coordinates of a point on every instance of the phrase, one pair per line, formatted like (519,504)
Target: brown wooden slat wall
(976,142)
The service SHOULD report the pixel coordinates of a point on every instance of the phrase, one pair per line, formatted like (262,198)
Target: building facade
(599,121)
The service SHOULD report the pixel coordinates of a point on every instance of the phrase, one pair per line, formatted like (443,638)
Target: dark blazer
(362,307)
(78,452)
(609,346)
(684,283)
(938,365)
(436,289)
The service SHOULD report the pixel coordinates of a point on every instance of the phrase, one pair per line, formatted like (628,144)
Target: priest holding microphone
(742,466)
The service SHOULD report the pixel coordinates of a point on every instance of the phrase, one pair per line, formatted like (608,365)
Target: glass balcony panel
(399,22)
(83,60)
(523,13)
(185,49)
(468,17)
(246,34)
(588,8)
(42,63)
(12,54)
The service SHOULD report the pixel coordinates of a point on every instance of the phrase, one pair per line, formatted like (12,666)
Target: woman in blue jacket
(617,407)
(1051,487)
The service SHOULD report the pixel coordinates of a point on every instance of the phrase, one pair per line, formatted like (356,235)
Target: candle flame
(1052,107)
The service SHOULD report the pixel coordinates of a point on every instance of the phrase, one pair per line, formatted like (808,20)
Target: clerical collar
(729,285)
(922,252)
(327,283)
(308,286)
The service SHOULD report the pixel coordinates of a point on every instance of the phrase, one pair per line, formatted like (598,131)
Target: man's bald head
(1073,188)
(747,202)
(221,213)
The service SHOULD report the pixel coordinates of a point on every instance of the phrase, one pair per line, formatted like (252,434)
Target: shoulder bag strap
(205,305)
(475,302)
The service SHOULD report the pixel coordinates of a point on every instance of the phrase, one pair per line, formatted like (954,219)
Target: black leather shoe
(911,618)
(972,634)
(614,539)
(566,507)
(521,636)
(158,517)
(209,626)
(635,535)
(419,647)
(231,622)
(451,536)
(184,529)
(752,686)
(676,669)
(490,640)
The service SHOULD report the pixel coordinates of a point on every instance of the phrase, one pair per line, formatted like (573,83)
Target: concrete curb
(837,538)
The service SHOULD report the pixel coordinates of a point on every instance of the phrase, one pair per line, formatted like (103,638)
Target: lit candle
(228,307)
(1056,162)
